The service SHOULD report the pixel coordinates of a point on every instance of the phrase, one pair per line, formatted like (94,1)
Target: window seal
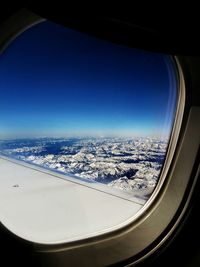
(133,237)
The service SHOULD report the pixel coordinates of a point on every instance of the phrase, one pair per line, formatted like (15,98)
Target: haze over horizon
(122,135)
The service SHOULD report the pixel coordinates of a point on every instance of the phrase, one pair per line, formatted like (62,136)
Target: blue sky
(58,82)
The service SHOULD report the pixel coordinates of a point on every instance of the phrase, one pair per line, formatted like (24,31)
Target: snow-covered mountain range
(129,164)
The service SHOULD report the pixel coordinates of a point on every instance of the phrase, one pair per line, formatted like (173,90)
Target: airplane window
(92,111)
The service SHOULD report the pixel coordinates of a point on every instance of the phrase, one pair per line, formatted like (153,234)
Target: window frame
(147,232)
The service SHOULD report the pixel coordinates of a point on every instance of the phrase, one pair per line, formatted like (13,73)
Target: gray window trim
(160,210)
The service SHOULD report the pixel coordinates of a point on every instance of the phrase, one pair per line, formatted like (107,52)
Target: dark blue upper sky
(58,82)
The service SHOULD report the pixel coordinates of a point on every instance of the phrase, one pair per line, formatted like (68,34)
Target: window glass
(87,108)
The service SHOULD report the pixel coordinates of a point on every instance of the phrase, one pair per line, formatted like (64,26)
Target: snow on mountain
(131,165)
